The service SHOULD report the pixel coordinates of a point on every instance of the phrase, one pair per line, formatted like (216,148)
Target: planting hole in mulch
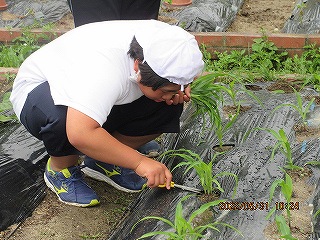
(253,87)
(287,87)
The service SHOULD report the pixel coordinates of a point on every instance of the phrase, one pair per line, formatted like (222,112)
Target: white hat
(171,52)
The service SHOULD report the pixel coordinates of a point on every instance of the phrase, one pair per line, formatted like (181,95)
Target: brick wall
(216,41)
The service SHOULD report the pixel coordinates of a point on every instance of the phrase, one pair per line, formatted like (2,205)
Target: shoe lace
(76,175)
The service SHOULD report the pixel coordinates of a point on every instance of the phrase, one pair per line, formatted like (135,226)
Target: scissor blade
(191,189)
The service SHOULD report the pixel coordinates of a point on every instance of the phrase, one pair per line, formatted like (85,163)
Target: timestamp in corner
(260,206)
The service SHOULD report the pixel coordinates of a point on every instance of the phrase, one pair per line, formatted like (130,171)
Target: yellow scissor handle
(164,185)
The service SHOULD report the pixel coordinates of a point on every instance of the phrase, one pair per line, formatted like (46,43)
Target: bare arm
(87,136)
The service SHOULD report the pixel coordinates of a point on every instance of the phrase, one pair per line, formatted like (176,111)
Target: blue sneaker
(70,187)
(123,179)
(150,149)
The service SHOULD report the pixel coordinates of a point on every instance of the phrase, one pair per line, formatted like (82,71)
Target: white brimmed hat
(171,52)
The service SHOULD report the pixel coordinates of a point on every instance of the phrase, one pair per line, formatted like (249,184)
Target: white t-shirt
(87,68)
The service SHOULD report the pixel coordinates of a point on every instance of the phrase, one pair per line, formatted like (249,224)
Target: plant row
(226,79)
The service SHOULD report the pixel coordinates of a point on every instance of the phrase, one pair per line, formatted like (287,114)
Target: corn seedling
(220,127)
(231,90)
(203,170)
(283,145)
(185,229)
(207,95)
(286,189)
(204,96)
(313,163)
(283,228)
(298,107)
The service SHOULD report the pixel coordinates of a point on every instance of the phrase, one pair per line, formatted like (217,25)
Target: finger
(186,98)
(176,99)
(150,182)
(187,91)
(168,179)
(169,102)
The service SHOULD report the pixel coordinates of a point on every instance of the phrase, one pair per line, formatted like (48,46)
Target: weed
(5,106)
(265,53)
(265,60)
(14,54)
(91,236)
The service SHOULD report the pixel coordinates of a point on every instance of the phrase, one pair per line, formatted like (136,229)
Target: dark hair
(148,77)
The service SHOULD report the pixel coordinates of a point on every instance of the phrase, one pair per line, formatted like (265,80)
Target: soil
(54,220)
(300,217)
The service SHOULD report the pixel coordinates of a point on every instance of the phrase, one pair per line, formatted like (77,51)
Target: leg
(140,9)
(134,141)
(134,126)
(62,175)
(59,163)
(88,11)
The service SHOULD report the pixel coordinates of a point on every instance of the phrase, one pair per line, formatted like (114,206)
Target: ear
(136,65)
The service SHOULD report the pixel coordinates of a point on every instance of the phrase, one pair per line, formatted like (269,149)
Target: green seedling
(283,145)
(207,95)
(220,127)
(185,228)
(299,107)
(283,228)
(232,91)
(6,105)
(204,96)
(286,189)
(313,163)
(203,170)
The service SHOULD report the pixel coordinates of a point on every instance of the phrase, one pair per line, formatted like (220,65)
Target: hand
(180,97)
(156,173)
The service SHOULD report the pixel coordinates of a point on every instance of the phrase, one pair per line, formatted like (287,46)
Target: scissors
(190,189)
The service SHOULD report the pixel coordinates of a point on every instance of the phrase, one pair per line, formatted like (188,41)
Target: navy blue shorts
(47,121)
(88,11)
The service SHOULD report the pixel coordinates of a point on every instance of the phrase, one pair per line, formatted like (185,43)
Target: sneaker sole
(101,177)
(51,187)
(152,154)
